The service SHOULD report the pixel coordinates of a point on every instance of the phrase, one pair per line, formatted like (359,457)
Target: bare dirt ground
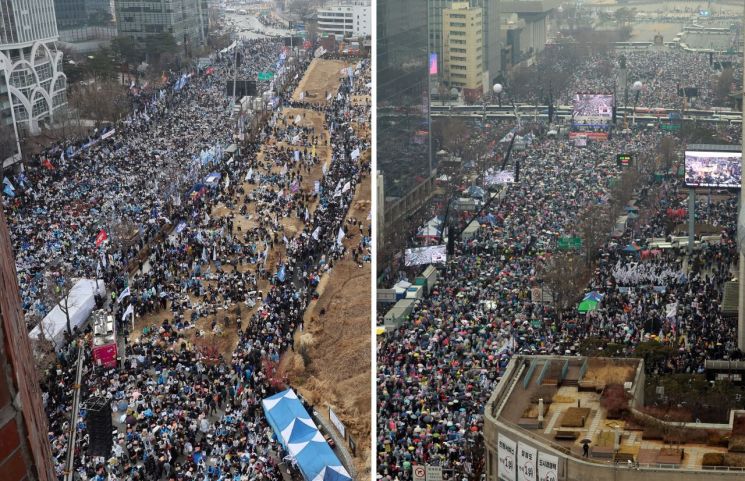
(321,78)
(338,343)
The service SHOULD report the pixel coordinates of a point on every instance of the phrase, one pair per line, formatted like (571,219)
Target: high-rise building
(81,13)
(25,453)
(403,122)
(34,84)
(186,20)
(350,19)
(490,16)
(462,29)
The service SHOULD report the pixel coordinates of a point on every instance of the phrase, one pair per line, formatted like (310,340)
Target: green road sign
(266,75)
(566,243)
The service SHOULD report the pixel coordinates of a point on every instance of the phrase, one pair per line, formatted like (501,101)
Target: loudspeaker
(98,421)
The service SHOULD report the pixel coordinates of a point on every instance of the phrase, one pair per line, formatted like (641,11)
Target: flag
(48,164)
(281,274)
(101,238)
(347,186)
(8,191)
(130,310)
(672,310)
(340,236)
(355,153)
(316,233)
(307,214)
(125,293)
(324,168)
(297,155)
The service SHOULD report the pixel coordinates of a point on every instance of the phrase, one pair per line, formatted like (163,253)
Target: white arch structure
(41,55)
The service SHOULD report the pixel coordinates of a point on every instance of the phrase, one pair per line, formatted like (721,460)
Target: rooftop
(579,397)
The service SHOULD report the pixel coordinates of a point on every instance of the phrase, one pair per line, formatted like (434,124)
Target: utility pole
(741,246)
(70,462)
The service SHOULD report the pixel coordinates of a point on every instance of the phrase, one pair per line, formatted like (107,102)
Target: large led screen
(713,169)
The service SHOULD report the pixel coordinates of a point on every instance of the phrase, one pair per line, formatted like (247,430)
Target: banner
(526,463)
(337,423)
(548,467)
(506,451)
(101,237)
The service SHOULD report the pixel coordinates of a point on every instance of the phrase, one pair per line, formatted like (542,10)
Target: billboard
(425,255)
(506,450)
(433,64)
(527,457)
(713,169)
(595,110)
(548,467)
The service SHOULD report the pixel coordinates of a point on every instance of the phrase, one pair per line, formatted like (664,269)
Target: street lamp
(637,88)
(497,88)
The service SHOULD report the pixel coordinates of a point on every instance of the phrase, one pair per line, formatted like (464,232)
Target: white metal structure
(33,84)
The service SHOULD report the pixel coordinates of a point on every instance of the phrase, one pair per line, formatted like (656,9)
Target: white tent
(81,302)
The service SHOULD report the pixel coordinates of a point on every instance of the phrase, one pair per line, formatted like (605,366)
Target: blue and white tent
(300,436)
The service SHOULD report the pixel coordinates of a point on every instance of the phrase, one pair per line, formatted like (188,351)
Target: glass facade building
(186,20)
(403,139)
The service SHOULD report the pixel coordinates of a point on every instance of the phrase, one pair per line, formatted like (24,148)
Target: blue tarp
(299,435)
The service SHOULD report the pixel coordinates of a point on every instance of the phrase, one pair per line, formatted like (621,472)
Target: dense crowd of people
(241,240)
(436,372)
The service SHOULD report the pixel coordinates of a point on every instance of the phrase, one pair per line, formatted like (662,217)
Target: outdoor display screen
(594,110)
(425,255)
(713,169)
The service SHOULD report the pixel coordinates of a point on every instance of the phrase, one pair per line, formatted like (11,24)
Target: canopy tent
(590,302)
(299,435)
(587,305)
(81,300)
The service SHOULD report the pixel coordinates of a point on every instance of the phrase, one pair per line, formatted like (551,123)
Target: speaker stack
(99,426)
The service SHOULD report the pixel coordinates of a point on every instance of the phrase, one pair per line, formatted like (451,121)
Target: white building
(33,85)
(350,19)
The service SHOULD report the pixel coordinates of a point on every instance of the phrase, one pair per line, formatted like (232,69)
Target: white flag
(340,236)
(125,293)
(307,214)
(346,187)
(250,174)
(316,233)
(130,310)
(355,153)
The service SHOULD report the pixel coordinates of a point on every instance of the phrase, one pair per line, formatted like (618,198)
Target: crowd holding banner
(183,413)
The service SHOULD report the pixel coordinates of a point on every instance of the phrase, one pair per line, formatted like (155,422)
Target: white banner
(548,467)
(526,463)
(506,452)
(337,423)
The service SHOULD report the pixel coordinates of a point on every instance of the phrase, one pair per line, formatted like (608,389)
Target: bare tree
(102,101)
(56,292)
(565,275)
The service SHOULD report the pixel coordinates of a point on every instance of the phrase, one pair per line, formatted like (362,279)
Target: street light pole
(741,245)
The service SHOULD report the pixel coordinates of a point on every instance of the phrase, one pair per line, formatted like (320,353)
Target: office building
(490,16)
(25,453)
(82,13)
(34,84)
(524,27)
(403,121)
(351,19)
(186,20)
(462,31)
